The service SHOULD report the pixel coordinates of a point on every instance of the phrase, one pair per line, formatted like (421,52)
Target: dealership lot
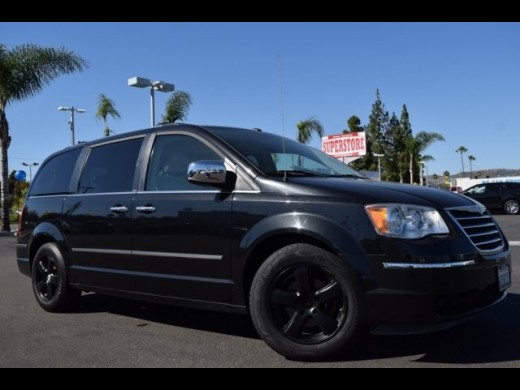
(112,332)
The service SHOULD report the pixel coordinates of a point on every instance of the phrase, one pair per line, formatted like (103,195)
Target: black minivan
(243,220)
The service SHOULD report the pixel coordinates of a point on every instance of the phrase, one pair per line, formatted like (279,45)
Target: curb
(13,232)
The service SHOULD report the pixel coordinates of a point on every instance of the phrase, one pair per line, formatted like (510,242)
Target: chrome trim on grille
(479,227)
(428,265)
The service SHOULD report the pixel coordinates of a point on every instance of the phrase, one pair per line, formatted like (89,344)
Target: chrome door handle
(119,209)
(146,209)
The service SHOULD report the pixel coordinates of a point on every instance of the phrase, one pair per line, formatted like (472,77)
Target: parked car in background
(243,220)
(497,196)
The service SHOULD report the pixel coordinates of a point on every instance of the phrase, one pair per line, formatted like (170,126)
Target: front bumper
(426,297)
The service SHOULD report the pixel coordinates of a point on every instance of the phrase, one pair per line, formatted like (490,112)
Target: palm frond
(306,128)
(177,107)
(31,67)
(106,108)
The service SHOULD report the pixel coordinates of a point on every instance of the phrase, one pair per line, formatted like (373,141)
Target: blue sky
(459,79)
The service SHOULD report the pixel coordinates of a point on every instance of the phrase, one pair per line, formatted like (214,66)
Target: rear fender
(44,233)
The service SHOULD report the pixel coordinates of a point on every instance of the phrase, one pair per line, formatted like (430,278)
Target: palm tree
(106,108)
(24,71)
(471,159)
(177,107)
(416,146)
(306,128)
(462,150)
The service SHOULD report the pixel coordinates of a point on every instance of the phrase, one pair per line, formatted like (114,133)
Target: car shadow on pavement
(489,338)
(224,323)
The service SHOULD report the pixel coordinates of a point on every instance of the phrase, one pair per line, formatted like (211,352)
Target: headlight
(406,221)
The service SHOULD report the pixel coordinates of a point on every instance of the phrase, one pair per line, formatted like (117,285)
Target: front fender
(333,235)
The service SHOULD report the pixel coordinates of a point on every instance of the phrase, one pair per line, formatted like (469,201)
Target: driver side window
(478,189)
(171,156)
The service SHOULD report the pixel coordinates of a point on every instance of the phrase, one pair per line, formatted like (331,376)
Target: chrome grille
(480,228)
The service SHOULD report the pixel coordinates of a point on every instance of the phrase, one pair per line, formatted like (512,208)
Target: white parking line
(514,243)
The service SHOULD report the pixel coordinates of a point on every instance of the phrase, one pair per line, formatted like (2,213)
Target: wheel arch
(279,231)
(43,234)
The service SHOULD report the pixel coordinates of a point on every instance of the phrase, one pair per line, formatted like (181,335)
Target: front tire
(305,303)
(512,207)
(50,281)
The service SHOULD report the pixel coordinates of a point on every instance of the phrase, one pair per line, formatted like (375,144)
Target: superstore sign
(345,145)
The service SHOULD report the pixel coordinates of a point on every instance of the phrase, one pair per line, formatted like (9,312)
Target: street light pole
(152,105)
(30,169)
(378,162)
(162,86)
(71,122)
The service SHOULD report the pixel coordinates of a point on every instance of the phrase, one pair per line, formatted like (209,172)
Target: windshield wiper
(350,176)
(298,172)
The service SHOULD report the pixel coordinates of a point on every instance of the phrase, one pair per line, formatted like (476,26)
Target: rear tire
(512,207)
(50,281)
(306,304)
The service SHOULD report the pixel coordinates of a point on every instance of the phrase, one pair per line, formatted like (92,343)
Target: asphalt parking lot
(112,332)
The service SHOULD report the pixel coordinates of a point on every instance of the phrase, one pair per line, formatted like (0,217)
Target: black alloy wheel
(308,303)
(50,281)
(305,303)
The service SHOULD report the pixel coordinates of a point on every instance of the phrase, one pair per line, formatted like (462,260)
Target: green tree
(462,150)
(376,132)
(446,175)
(106,108)
(405,134)
(17,191)
(416,146)
(24,71)
(307,128)
(375,135)
(471,159)
(394,145)
(354,125)
(177,107)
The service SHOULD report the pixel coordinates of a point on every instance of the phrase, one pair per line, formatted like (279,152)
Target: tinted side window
(513,186)
(478,189)
(54,176)
(169,162)
(110,168)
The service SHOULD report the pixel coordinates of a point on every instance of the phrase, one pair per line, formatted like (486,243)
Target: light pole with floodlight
(378,155)
(30,169)
(162,86)
(71,122)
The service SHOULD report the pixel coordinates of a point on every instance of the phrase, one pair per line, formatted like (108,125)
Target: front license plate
(504,277)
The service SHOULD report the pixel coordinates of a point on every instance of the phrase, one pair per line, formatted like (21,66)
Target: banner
(345,145)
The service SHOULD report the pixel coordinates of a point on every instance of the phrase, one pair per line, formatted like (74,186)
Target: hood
(371,191)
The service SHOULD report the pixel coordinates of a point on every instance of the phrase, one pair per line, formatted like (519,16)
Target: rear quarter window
(54,176)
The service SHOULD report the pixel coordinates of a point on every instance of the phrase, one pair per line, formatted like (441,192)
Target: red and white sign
(345,145)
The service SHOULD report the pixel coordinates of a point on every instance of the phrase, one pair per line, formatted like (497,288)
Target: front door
(180,241)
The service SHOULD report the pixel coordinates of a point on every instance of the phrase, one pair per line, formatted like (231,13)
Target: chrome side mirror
(212,173)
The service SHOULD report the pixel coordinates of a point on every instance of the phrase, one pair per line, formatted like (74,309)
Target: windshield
(269,154)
